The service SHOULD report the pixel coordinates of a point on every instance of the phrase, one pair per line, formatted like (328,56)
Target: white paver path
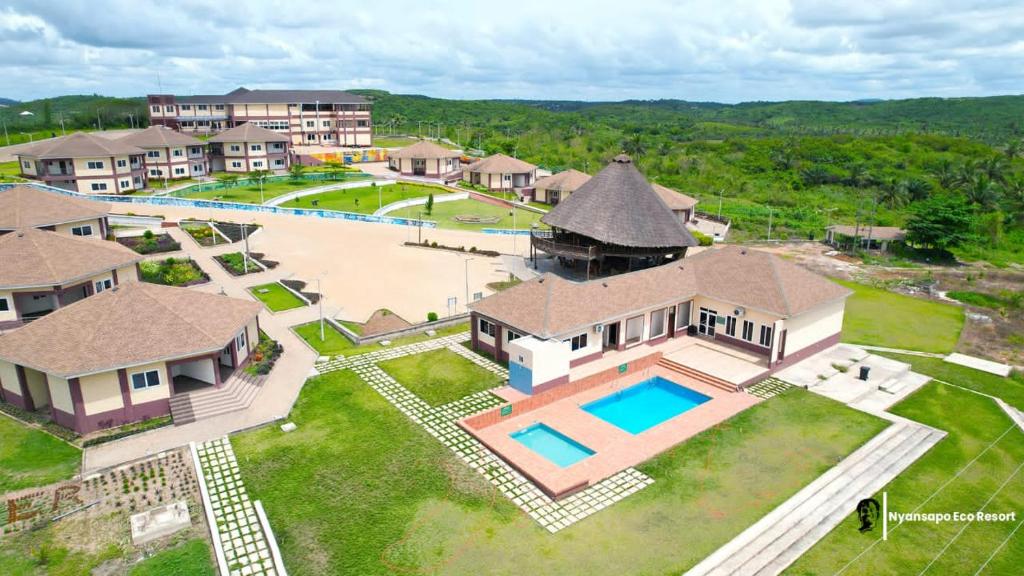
(997,368)
(441,422)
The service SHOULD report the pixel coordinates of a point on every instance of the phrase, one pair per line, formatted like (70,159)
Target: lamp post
(467,281)
(419,227)
(320,302)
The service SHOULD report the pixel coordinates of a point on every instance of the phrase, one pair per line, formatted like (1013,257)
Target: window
(682,315)
(177,152)
(257,163)
(179,171)
(143,380)
(326,123)
(201,107)
(153,154)
(486,328)
(94,165)
(279,162)
(4,305)
(634,329)
(102,285)
(99,186)
(240,341)
(126,183)
(766,336)
(168,108)
(236,164)
(186,106)
(196,150)
(235,148)
(154,172)
(748,330)
(278,125)
(362,123)
(310,123)
(26,164)
(85,230)
(657,323)
(730,326)
(122,163)
(218,106)
(578,342)
(510,336)
(197,167)
(154,108)
(256,147)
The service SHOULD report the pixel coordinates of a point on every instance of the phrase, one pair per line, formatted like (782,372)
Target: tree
(430,204)
(917,189)
(333,168)
(296,170)
(946,174)
(981,191)
(228,179)
(1013,149)
(894,193)
(942,221)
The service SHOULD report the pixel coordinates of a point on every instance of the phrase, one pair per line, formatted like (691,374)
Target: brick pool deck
(615,449)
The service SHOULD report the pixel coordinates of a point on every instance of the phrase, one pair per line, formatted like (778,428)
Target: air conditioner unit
(599,328)
(739,312)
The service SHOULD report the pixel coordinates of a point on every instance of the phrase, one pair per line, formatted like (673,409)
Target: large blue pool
(645,405)
(552,444)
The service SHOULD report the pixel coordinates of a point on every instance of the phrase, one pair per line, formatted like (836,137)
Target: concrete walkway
(276,396)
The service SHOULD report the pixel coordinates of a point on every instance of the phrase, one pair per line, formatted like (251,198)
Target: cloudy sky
(717,50)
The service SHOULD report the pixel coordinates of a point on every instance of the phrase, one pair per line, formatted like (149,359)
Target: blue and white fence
(216,204)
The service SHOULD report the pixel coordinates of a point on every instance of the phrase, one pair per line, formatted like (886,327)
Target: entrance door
(672,322)
(708,318)
(611,335)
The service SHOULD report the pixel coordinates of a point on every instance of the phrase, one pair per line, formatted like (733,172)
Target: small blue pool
(552,444)
(645,405)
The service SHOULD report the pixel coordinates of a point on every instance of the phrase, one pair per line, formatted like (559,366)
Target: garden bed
(265,356)
(276,297)
(150,243)
(173,272)
(233,263)
(299,286)
(472,249)
(204,235)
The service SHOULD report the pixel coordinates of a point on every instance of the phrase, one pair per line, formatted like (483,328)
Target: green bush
(431,316)
(702,238)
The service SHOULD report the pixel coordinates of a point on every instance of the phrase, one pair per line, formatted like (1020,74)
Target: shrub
(431,316)
(703,239)
(148,235)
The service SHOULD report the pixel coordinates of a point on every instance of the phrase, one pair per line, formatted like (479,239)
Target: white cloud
(720,50)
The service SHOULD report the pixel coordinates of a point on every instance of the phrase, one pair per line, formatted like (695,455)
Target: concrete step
(779,537)
(244,398)
(237,393)
(698,375)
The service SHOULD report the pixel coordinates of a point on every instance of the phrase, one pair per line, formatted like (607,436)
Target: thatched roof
(618,206)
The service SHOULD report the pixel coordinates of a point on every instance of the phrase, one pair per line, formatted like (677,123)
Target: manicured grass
(237,263)
(251,193)
(444,214)
(440,376)
(9,170)
(1010,390)
(276,297)
(360,489)
(997,301)
(977,429)
(335,343)
(366,199)
(192,558)
(172,272)
(881,318)
(29,457)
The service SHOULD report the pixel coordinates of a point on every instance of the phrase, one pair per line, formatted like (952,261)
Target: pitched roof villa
(558,186)
(500,172)
(744,298)
(85,163)
(117,356)
(248,147)
(615,219)
(31,207)
(427,159)
(169,153)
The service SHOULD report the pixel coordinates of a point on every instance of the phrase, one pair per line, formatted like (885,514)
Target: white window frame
(178,171)
(768,330)
(126,183)
(147,382)
(83,230)
(240,341)
(256,147)
(101,285)
(235,148)
(748,331)
(487,327)
(640,335)
(660,313)
(177,153)
(236,164)
(152,154)
(94,164)
(578,342)
(122,163)
(98,186)
(510,335)
(730,326)
(5,305)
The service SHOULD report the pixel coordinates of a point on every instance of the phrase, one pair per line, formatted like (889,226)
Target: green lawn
(1010,390)
(361,489)
(440,376)
(974,423)
(881,318)
(445,212)
(29,457)
(9,170)
(192,558)
(276,297)
(334,343)
(251,193)
(366,199)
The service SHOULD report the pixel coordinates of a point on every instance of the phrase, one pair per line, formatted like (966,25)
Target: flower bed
(203,234)
(234,264)
(150,243)
(173,272)
(472,249)
(265,356)
(129,430)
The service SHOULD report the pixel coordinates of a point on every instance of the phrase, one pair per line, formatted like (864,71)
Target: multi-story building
(170,155)
(249,147)
(85,163)
(307,117)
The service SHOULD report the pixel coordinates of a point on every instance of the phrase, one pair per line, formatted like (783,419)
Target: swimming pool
(645,405)
(552,444)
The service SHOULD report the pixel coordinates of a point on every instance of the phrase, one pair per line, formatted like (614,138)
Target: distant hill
(78,112)
(7,101)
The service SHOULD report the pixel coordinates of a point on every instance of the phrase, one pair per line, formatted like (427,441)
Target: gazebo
(616,220)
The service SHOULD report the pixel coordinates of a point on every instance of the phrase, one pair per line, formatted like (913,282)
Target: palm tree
(1013,149)
(917,189)
(1013,198)
(946,174)
(982,191)
(894,193)
(995,168)
(296,170)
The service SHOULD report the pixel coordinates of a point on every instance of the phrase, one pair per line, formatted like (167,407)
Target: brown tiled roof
(246,96)
(500,164)
(674,200)
(550,306)
(31,207)
(618,206)
(424,149)
(134,324)
(160,137)
(564,181)
(876,232)
(249,133)
(80,145)
(35,258)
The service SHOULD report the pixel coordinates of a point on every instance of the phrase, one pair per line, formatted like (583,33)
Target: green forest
(950,170)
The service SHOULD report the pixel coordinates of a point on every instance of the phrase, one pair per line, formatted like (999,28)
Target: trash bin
(864,372)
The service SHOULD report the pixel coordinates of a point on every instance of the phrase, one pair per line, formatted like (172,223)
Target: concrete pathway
(276,396)
(900,351)
(997,368)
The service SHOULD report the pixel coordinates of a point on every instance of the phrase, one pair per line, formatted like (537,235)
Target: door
(611,335)
(708,318)
(672,322)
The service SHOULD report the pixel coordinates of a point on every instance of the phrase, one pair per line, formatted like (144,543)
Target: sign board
(720,320)
(623,368)
(506,410)
(452,301)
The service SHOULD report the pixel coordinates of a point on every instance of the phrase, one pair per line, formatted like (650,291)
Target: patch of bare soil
(382,321)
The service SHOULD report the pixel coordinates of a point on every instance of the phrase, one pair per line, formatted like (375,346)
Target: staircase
(773,543)
(698,375)
(237,393)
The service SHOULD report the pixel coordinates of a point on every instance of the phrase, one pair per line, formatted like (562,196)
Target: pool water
(552,444)
(645,405)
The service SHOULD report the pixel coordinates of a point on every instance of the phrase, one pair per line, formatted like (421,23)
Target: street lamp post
(245,254)
(467,281)
(320,301)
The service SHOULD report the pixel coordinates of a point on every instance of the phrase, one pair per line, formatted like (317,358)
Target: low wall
(415,329)
(520,407)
